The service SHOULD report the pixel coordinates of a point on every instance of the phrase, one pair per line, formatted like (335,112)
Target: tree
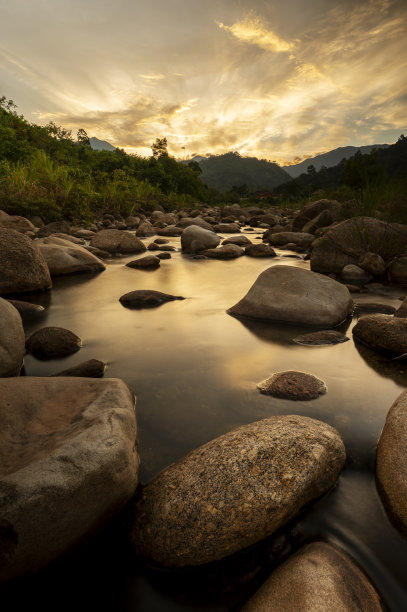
(159,147)
(82,138)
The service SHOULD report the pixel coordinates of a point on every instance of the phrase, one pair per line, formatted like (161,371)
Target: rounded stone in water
(292,386)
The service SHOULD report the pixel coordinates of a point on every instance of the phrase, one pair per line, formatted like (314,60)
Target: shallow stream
(194,370)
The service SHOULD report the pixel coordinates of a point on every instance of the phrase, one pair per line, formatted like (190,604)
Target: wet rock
(398,271)
(324,219)
(170,230)
(323,337)
(53,228)
(354,275)
(235,490)
(23,268)
(85,234)
(402,310)
(296,238)
(391,463)
(26,309)
(69,463)
(161,241)
(64,257)
(292,386)
(295,295)
(117,241)
(319,577)
(145,229)
(311,210)
(92,368)
(19,224)
(382,333)
(66,237)
(132,222)
(241,241)
(373,307)
(51,342)
(227,228)
(229,251)
(163,255)
(195,239)
(12,340)
(260,250)
(149,261)
(198,221)
(145,298)
(372,263)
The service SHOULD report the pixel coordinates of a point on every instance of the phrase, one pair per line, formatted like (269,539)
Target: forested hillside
(46,171)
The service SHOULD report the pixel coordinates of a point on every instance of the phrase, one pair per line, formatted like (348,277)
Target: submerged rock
(235,490)
(146,298)
(51,342)
(12,340)
(295,295)
(321,338)
(69,463)
(292,386)
(318,578)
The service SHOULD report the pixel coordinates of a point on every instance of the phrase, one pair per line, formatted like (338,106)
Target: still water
(194,371)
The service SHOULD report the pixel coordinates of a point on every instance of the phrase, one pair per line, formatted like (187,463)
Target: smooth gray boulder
(12,340)
(64,257)
(69,463)
(195,239)
(117,241)
(295,295)
(319,578)
(391,463)
(235,490)
(23,268)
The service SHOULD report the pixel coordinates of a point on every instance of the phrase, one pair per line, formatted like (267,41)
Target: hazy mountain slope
(330,159)
(226,171)
(101,145)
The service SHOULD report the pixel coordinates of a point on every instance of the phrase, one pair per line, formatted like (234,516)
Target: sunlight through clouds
(252,30)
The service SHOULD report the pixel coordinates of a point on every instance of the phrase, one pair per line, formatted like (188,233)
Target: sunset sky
(271,79)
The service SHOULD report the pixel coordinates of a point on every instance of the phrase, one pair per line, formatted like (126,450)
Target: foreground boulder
(383,333)
(195,239)
(146,298)
(64,257)
(69,462)
(319,577)
(391,463)
(51,342)
(12,340)
(295,295)
(292,385)
(235,490)
(117,241)
(23,268)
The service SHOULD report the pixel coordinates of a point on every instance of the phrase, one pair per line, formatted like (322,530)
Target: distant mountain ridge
(330,159)
(101,145)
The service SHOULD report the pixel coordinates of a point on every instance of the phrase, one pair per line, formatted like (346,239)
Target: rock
(69,463)
(321,338)
(402,310)
(382,333)
(26,309)
(145,229)
(12,340)
(284,238)
(319,577)
(157,216)
(354,275)
(372,263)
(324,218)
(311,210)
(295,295)
(149,261)
(349,241)
(227,228)
(85,234)
(53,228)
(373,307)
(391,463)
(235,490)
(164,255)
(229,251)
(292,386)
(93,368)
(144,298)
(66,237)
(19,224)
(117,241)
(170,230)
(132,222)
(260,250)
(64,257)
(23,268)
(51,342)
(398,271)
(241,241)
(195,239)
(187,221)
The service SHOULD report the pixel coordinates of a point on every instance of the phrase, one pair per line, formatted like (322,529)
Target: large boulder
(117,241)
(187,221)
(349,242)
(54,227)
(12,340)
(295,295)
(383,333)
(235,490)
(69,463)
(195,239)
(318,578)
(311,210)
(391,463)
(298,238)
(23,268)
(19,224)
(64,257)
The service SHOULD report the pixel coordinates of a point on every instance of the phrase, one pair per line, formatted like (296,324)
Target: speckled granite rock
(50,342)
(292,386)
(64,257)
(318,578)
(321,338)
(260,250)
(69,462)
(12,340)
(235,490)
(117,241)
(391,464)
(295,295)
(383,333)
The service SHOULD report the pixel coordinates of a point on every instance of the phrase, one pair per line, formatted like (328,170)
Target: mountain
(223,172)
(330,159)
(101,145)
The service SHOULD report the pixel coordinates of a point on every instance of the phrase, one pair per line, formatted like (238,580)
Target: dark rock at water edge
(51,342)
(323,337)
(260,250)
(382,333)
(93,368)
(26,309)
(145,298)
(149,261)
(292,385)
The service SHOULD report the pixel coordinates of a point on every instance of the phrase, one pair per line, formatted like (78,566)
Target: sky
(279,80)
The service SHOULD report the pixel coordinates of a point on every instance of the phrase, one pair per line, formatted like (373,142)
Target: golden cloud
(253,31)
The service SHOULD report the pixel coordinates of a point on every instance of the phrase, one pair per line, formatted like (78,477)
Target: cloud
(253,31)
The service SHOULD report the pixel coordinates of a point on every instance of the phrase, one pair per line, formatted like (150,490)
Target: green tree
(159,147)
(82,138)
